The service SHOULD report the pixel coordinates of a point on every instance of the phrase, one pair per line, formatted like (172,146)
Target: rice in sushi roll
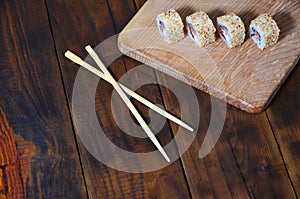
(264,31)
(170,26)
(200,28)
(231,29)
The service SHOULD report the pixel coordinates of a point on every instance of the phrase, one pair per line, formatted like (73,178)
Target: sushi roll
(264,31)
(200,28)
(170,26)
(231,29)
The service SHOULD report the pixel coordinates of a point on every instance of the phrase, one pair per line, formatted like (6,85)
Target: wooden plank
(102,181)
(285,121)
(246,76)
(217,175)
(122,11)
(11,185)
(245,157)
(33,99)
(257,154)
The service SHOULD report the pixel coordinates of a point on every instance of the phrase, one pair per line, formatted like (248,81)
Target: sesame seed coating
(174,26)
(235,26)
(203,26)
(268,28)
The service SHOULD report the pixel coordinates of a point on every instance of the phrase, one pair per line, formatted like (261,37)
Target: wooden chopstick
(128,102)
(131,93)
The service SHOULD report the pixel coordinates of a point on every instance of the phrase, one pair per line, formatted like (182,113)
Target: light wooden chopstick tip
(73,57)
(88,47)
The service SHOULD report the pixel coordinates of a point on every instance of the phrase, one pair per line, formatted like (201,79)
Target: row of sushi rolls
(263,30)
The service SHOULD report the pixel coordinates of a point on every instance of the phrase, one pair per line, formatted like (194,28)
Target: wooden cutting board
(245,76)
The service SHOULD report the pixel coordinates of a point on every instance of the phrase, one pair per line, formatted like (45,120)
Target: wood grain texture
(33,99)
(38,153)
(102,181)
(217,175)
(11,182)
(285,121)
(245,77)
(244,162)
(121,11)
(257,155)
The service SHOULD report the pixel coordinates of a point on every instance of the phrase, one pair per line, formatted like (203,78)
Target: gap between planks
(66,99)
(281,154)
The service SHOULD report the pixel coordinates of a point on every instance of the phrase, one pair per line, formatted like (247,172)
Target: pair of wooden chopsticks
(121,89)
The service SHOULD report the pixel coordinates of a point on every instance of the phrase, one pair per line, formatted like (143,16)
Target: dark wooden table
(41,156)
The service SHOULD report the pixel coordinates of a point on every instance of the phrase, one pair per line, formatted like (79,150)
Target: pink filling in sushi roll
(192,30)
(231,29)
(200,28)
(224,32)
(170,26)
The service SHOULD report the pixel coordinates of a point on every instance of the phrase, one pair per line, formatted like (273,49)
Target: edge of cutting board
(142,55)
(239,103)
